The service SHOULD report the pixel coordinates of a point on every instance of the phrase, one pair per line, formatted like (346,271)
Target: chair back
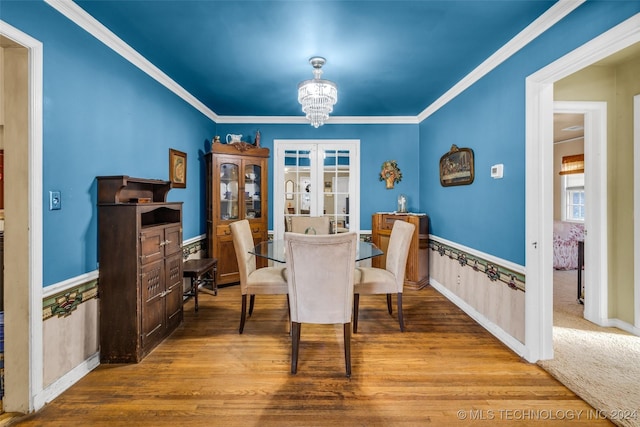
(398,250)
(320,272)
(310,224)
(243,243)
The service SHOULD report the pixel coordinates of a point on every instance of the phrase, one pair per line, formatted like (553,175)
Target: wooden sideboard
(417,273)
(140,273)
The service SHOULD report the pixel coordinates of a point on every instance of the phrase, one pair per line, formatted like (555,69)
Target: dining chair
(253,281)
(320,282)
(390,279)
(310,224)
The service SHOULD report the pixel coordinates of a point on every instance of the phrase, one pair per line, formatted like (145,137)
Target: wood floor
(445,370)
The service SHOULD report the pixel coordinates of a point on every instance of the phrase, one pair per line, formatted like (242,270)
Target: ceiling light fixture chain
(317,96)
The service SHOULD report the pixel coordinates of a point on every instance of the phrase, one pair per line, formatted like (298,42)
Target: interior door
(317,178)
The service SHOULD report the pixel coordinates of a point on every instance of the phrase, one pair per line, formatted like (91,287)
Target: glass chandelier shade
(317,96)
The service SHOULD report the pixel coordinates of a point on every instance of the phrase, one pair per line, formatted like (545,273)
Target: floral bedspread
(565,244)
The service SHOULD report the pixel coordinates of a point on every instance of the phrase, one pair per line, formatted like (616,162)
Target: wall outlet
(55,201)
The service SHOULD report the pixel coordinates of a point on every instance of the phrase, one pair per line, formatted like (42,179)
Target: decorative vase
(390,181)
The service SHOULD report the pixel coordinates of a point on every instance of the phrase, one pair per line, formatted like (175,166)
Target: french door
(317,178)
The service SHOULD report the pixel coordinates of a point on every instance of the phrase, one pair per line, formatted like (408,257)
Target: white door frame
(539,206)
(279,145)
(636,210)
(23,343)
(596,202)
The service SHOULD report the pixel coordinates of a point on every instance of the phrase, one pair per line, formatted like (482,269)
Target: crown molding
(76,14)
(333,120)
(545,21)
(88,23)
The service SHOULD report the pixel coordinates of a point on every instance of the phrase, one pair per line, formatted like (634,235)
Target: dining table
(275,250)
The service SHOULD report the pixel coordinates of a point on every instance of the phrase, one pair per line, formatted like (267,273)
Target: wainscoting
(70,326)
(489,289)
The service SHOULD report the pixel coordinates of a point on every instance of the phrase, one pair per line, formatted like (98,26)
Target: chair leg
(389,306)
(289,314)
(251,301)
(194,289)
(347,348)
(356,303)
(295,345)
(243,313)
(400,317)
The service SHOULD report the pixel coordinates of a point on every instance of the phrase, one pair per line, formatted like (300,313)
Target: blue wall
(102,116)
(489,117)
(378,143)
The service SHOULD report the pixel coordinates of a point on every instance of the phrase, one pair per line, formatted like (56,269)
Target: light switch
(55,201)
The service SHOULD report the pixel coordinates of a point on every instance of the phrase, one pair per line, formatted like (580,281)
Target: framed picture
(456,167)
(177,168)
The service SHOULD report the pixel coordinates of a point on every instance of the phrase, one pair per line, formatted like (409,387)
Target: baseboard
(620,324)
(66,381)
(515,345)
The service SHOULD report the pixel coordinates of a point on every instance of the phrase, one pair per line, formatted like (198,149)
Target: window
(573,192)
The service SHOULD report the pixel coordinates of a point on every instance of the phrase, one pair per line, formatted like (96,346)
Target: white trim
(78,15)
(636,211)
(280,145)
(554,14)
(539,214)
(69,284)
(334,120)
(194,239)
(35,356)
(67,380)
(88,23)
(491,258)
(494,329)
(596,202)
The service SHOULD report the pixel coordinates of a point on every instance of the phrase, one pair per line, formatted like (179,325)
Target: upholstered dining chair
(320,282)
(253,281)
(388,280)
(310,224)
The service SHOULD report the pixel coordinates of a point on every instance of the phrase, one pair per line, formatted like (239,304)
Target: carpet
(601,365)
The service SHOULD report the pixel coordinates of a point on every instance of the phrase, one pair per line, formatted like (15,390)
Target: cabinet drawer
(388,220)
(225,230)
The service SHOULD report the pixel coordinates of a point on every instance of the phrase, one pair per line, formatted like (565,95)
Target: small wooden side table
(200,271)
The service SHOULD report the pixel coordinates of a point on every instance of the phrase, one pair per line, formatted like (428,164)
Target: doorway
(539,214)
(22,140)
(317,178)
(594,122)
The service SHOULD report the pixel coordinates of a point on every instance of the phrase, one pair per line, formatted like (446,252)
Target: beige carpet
(601,365)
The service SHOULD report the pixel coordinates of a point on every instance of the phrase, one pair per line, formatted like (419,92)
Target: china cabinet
(140,270)
(236,190)
(417,272)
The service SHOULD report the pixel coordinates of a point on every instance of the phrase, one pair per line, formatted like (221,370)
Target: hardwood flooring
(445,370)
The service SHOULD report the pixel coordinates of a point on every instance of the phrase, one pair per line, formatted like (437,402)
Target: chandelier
(317,96)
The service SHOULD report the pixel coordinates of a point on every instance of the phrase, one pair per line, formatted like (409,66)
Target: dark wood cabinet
(417,272)
(236,190)
(140,270)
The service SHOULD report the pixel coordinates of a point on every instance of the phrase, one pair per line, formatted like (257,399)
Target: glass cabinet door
(252,191)
(229,191)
